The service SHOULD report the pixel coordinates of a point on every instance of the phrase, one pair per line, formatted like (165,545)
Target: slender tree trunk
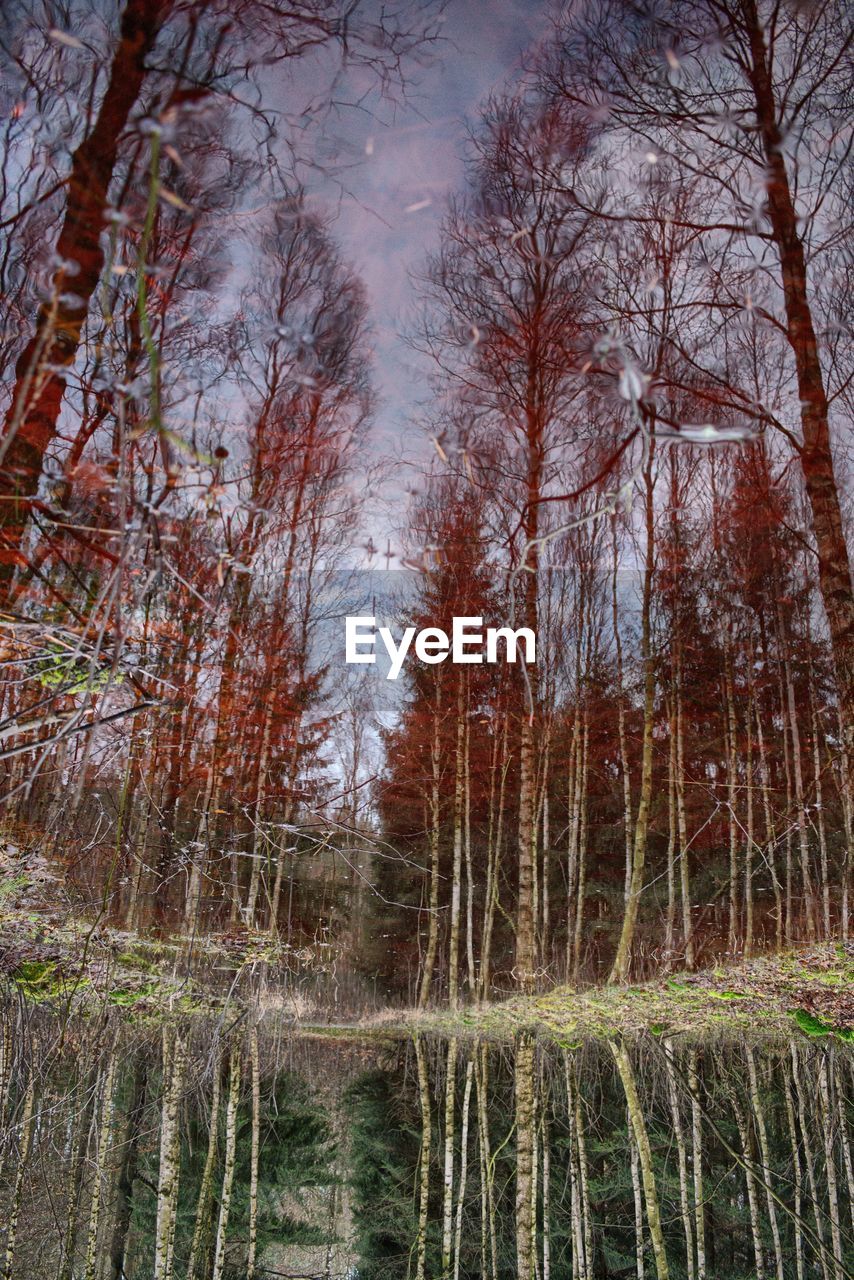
(697,1160)
(670,925)
(547,1184)
(435,819)
(637,1196)
(424,1175)
(818,1213)
(845,791)
(767,1171)
(524,1108)
(40,374)
(798,775)
(628,833)
(623,957)
(525,931)
(525,956)
(170,1150)
(229,1162)
(816,454)
(127,1174)
(14,1210)
(827,1128)
(545,930)
(749,839)
(842,1122)
(582,849)
(819,812)
(464,1149)
(258,840)
(472,972)
(456,874)
(682,823)
(254,1154)
(732,794)
(203,1204)
(641,1137)
(496,833)
(770,833)
(797,1173)
(101,1165)
(448,1175)
(574,802)
(682,1155)
(752,1199)
(75,1181)
(787,766)
(487,1165)
(579,1266)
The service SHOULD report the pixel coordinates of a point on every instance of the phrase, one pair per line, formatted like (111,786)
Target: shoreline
(808,988)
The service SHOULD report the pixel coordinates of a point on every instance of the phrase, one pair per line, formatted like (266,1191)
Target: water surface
(225,1149)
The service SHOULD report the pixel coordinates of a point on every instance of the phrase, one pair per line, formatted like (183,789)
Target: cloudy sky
(405,163)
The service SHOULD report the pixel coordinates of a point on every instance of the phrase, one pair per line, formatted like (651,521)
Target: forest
(203,1150)
(534,313)
(634,328)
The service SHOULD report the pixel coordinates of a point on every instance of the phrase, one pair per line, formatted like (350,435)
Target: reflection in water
(234,1150)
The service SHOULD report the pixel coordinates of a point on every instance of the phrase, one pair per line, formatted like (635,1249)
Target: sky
(405,164)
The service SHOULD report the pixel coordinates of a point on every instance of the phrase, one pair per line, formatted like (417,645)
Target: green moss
(135,960)
(817,1028)
(125,997)
(41,980)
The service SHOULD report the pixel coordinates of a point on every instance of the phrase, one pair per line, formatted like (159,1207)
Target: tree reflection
(216,1149)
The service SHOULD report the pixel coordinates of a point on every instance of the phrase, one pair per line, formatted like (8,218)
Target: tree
(746,97)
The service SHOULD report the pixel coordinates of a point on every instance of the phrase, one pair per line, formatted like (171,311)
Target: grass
(809,990)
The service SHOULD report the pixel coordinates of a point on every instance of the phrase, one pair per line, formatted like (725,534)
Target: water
(385,1156)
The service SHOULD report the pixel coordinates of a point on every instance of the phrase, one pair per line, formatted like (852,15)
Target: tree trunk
(621,723)
(752,1200)
(127,1175)
(448,1174)
(641,1137)
(670,926)
(622,960)
(524,1109)
(170,1150)
(682,1155)
(486,1161)
(456,873)
(637,1196)
(767,1171)
(582,849)
(435,817)
(40,384)
(697,1160)
(834,568)
(100,1170)
(424,1174)
(770,833)
(464,1150)
(817,1201)
(798,1175)
(828,1127)
(14,1210)
(731,740)
(229,1162)
(255,1150)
